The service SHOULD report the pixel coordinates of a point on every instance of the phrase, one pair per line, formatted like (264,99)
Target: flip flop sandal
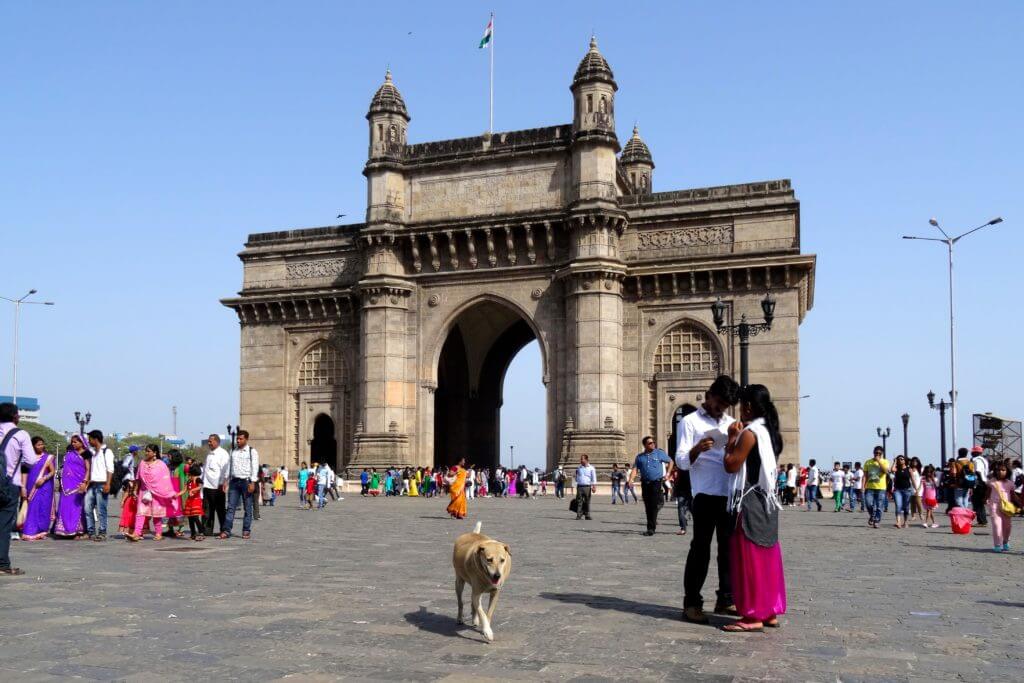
(772,624)
(245,536)
(11,571)
(740,627)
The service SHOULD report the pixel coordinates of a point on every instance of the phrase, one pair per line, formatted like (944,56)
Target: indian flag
(488,32)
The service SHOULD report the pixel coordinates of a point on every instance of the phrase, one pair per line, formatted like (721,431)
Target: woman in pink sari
(39,486)
(156,493)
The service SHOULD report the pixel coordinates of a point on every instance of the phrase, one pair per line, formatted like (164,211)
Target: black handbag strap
(3,454)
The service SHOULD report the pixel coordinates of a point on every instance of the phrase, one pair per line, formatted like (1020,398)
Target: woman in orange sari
(457,490)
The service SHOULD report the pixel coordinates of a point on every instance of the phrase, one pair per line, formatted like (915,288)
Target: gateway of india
(387,342)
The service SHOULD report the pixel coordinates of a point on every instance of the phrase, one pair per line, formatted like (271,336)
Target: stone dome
(594,67)
(636,150)
(388,99)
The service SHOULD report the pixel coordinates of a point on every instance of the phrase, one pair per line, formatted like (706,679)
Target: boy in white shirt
(838,484)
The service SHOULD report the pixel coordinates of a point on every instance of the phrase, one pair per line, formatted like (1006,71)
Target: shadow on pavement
(617,604)
(441,624)
(963,549)
(1002,603)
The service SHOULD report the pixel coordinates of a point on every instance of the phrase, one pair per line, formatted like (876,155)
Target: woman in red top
(194,503)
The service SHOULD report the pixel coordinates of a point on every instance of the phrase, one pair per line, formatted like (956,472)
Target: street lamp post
(744,330)
(512,454)
(82,421)
(233,433)
(950,242)
(17,317)
(905,417)
(941,407)
(883,435)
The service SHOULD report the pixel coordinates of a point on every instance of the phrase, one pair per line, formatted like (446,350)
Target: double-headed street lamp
(82,422)
(883,436)
(949,242)
(17,315)
(744,329)
(941,407)
(233,433)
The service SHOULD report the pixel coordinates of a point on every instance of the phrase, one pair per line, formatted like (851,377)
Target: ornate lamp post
(744,329)
(905,417)
(82,421)
(883,436)
(233,433)
(941,407)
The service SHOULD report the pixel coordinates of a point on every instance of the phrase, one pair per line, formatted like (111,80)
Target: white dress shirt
(707,472)
(215,472)
(586,475)
(244,464)
(100,465)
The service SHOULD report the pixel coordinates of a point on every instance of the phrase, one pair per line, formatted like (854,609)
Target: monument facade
(387,342)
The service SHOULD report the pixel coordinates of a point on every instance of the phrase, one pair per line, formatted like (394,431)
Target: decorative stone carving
(536,294)
(434,300)
(686,237)
(306,270)
(651,321)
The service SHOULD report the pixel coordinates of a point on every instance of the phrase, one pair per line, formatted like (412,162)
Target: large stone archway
(471,367)
(470,246)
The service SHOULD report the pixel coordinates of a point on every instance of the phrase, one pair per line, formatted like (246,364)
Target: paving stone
(364,590)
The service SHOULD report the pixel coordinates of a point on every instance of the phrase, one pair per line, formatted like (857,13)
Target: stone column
(594,325)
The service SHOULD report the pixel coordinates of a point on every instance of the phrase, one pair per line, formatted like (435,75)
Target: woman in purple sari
(74,478)
(39,486)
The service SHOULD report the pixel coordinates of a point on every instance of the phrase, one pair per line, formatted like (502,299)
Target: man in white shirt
(101,471)
(857,481)
(811,489)
(586,480)
(470,482)
(215,483)
(701,451)
(243,473)
(838,486)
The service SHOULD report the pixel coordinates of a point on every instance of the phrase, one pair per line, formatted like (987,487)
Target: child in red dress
(128,507)
(194,502)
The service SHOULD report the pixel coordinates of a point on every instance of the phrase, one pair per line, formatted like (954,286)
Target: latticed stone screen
(686,348)
(322,366)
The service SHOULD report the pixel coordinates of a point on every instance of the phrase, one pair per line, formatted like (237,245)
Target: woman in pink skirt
(758,582)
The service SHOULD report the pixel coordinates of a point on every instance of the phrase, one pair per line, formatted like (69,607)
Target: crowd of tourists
(160,493)
(481,482)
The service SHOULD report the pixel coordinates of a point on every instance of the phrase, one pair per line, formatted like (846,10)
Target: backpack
(970,478)
(8,489)
(117,479)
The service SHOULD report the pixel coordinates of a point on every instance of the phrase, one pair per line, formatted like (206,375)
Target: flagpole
(490,120)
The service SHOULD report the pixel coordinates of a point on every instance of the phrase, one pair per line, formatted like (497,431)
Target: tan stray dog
(484,564)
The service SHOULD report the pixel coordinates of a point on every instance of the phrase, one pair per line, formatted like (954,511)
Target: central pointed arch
(470,359)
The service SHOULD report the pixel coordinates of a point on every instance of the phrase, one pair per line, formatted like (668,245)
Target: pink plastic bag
(960,519)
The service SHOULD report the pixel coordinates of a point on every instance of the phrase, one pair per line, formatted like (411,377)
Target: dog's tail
(476,529)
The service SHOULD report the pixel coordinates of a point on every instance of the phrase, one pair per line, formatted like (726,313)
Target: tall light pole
(905,417)
(949,242)
(17,315)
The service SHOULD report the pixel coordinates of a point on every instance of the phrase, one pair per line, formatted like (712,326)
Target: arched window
(322,366)
(686,348)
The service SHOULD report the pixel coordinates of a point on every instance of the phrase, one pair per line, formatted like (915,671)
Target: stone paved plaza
(364,590)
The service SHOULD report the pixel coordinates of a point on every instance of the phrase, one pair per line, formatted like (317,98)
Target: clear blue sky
(141,143)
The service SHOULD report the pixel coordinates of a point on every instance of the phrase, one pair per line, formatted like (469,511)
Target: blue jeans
(96,500)
(617,491)
(238,492)
(811,494)
(902,498)
(961,498)
(682,506)
(855,496)
(629,490)
(874,498)
(321,489)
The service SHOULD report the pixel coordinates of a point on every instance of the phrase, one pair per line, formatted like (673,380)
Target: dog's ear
(480,551)
(508,550)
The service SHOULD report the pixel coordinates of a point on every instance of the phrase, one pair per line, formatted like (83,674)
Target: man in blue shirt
(651,466)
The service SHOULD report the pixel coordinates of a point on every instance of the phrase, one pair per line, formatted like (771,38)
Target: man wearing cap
(980,493)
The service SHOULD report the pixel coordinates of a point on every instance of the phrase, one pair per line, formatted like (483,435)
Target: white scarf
(766,479)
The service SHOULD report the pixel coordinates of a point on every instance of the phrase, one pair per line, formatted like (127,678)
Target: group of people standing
(42,497)
(480,482)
